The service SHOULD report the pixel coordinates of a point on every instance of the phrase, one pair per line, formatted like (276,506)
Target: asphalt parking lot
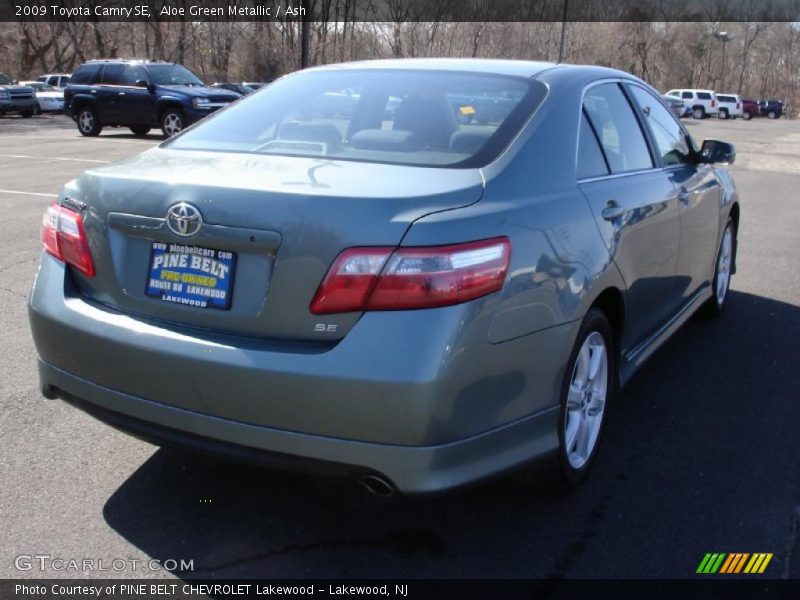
(702,453)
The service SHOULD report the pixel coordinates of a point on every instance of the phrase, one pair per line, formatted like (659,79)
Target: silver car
(410,297)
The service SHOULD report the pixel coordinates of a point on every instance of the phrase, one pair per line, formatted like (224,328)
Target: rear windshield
(425,118)
(704,95)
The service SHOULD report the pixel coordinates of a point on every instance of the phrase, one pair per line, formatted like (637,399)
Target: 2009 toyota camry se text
(415,273)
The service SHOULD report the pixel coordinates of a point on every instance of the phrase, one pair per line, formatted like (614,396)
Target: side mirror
(717,153)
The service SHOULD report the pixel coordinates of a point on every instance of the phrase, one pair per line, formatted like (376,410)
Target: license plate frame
(192,276)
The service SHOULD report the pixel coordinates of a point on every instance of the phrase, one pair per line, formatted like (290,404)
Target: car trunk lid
(284,218)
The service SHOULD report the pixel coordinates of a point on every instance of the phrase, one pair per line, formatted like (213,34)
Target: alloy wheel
(586,400)
(86,121)
(173,124)
(724,266)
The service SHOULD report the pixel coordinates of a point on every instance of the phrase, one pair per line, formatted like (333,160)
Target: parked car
(56,80)
(417,303)
(239,88)
(702,102)
(139,95)
(49,98)
(730,106)
(772,109)
(677,106)
(16,98)
(256,85)
(750,109)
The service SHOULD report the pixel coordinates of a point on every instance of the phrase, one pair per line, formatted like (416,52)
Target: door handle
(683,197)
(121,93)
(613,211)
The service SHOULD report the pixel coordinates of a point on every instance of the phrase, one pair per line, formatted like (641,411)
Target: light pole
(724,37)
(563,31)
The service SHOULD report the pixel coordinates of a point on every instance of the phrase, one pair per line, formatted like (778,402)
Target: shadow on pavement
(689,452)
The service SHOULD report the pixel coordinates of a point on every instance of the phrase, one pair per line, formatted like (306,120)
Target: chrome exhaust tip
(378,486)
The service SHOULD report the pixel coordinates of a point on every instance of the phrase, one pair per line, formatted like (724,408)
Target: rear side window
(726,98)
(132,74)
(393,116)
(704,95)
(667,133)
(53,81)
(620,136)
(591,162)
(688,95)
(112,74)
(85,74)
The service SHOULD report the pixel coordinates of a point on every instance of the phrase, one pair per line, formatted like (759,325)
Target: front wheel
(88,123)
(747,116)
(772,114)
(723,271)
(723,114)
(698,113)
(172,122)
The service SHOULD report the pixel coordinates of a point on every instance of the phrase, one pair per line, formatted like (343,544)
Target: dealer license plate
(191,275)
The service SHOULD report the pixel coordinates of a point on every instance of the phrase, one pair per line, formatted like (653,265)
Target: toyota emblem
(183,219)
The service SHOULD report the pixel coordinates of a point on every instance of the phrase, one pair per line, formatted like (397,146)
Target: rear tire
(88,123)
(723,114)
(772,114)
(588,388)
(26,114)
(723,271)
(139,130)
(747,116)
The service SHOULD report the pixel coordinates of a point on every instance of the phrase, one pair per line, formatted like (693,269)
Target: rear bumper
(415,395)
(413,470)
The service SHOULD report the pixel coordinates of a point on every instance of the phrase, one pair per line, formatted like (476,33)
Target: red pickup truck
(750,109)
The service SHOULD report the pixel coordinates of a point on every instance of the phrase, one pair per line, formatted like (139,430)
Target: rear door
(698,190)
(636,208)
(135,105)
(108,91)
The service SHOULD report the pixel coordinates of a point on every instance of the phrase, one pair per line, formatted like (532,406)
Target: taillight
(738,106)
(64,237)
(413,277)
(713,103)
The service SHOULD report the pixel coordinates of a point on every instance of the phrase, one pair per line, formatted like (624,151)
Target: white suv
(730,105)
(702,102)
(56,80)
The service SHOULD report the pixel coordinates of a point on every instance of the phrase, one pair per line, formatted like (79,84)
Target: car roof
(518,68)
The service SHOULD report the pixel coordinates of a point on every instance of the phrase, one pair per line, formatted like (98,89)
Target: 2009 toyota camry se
(419,273)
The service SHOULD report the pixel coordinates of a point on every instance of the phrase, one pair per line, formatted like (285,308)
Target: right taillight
(412,277)
(64,237)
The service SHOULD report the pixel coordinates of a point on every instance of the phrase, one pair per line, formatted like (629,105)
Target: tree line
(761,59)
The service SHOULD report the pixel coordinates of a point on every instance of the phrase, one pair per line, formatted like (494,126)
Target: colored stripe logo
(734,563)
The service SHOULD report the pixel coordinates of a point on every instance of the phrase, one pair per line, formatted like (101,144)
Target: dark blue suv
(139,95)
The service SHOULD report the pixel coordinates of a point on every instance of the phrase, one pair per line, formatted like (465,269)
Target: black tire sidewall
(714,307)
(595,320)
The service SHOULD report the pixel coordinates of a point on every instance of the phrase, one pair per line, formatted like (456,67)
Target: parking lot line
(91,160)
(29,193)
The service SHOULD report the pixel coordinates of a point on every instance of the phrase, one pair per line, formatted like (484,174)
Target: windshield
(426,118)
(173,75)
(4,80)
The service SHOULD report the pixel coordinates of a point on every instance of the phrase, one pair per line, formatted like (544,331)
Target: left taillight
(412,277)
(64,236)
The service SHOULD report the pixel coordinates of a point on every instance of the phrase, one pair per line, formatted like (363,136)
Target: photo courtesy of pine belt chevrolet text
(415,274)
